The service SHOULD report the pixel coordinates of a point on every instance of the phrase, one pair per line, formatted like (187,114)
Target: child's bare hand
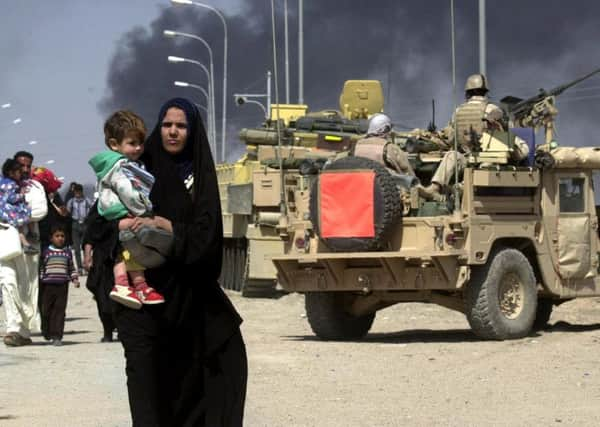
(139,222)
(156,221)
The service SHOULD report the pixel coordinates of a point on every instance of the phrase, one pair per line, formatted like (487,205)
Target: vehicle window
(571,193)
(596,186)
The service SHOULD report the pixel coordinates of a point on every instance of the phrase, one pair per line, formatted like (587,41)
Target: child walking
(13,207)
(56,271)
(124,188)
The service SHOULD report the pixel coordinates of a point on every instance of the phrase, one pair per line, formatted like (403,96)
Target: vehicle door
(575,240)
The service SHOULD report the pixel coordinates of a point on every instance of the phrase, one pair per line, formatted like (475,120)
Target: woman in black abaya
(101,243)
(186,360)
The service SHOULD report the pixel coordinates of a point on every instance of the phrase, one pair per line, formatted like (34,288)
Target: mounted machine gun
(539,110)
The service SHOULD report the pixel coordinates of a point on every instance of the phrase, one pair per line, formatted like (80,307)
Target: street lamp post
(170,33)
(224,118)
(203,108)
(209,112)
(178,59)
(243,98)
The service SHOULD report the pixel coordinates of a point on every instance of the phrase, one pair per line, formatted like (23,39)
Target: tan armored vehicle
(519,240)
(252,188)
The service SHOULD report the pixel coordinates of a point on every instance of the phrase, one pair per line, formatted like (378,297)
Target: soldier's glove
(411,145)
(543,159)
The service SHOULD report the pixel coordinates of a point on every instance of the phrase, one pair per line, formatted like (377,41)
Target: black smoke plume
(404,44)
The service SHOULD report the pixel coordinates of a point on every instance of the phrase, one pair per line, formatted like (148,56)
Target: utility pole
(300,52)
(287,56)
(482,52)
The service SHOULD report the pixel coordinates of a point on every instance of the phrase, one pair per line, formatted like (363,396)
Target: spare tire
(354,203)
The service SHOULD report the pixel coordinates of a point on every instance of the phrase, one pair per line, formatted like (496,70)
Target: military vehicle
(510,243)
(252,188)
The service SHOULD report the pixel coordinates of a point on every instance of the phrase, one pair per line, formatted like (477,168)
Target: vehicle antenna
(282,206)
(456,201)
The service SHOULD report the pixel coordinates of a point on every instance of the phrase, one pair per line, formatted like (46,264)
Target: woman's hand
(62,211)
(157,222)
(87,262)
(87,257)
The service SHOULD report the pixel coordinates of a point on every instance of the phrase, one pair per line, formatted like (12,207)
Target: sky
(67,64)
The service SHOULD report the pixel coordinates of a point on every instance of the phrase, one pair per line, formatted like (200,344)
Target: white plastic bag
(35,196)
(10,243)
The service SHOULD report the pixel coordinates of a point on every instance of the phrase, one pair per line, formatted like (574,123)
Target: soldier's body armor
(373,148)
(469,116)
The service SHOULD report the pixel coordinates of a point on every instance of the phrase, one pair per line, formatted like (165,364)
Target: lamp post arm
(201,89)
(224,118)
(213,126)
(222,18)
(200,64)
(252,101)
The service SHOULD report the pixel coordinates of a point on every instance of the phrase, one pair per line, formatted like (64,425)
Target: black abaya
(103,235)
(186,361)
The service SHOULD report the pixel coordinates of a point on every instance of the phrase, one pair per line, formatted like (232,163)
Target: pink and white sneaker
(125,295)
(148,295)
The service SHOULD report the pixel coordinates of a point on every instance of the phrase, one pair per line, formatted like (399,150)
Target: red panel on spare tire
(343,214)
(384,199)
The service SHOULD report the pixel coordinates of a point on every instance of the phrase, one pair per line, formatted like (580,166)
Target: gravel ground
(419,366)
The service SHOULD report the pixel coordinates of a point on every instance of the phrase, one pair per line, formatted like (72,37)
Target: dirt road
(419,366)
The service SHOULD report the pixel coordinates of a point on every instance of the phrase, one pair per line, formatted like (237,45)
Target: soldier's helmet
(379,124)
(475,82)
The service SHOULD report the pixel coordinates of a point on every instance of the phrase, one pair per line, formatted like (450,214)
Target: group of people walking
(30,202)
(153,244)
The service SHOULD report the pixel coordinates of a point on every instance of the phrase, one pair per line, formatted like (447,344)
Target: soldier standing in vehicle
(470,120)
(377,146)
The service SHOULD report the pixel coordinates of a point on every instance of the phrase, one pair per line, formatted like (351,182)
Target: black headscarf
(169,192)
(189,278)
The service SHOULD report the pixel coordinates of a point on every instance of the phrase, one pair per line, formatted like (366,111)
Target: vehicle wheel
(329,320)
(241,265)
(387,206)
(255,288)
(543,313)
(234,260)
(502,296)
(225,266)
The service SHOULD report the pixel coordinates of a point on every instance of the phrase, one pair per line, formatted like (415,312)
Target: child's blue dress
(13,207)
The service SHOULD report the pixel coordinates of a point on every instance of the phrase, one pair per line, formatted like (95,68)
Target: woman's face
(174,131)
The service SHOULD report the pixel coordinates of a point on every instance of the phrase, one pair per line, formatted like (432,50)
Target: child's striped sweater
(56,265)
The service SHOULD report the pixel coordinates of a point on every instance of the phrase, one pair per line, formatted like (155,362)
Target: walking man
(78,206)
(19,275)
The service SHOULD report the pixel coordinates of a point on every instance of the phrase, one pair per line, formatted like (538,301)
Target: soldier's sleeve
(398,159)
(446,139)
(495,115)
(520,149)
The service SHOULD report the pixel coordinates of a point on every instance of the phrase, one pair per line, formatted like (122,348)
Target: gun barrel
(524,106)
(560,89)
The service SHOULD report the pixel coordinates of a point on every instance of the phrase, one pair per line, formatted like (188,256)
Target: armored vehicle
(509,244)
(252,188)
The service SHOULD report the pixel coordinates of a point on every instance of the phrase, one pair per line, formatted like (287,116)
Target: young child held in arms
(13,207)
(56,270)
(124,188)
